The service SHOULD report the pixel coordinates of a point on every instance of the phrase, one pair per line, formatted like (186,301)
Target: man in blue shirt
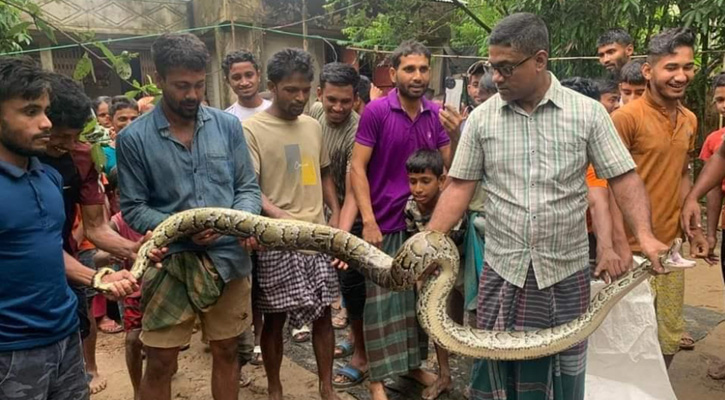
(180,156)
(40,353)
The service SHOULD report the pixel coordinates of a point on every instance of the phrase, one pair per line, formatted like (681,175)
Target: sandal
(256,356)
(687,342)
(301,335)
(352,376)
(344,349)
(340,321)
(109,326)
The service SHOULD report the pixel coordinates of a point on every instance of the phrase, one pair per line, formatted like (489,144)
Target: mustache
(41,135)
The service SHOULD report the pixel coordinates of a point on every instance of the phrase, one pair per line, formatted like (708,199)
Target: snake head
(673,260)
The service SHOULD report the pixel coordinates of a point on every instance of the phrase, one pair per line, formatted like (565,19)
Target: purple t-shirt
(386,128)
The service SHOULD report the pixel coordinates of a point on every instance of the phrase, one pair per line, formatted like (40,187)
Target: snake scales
(415,259)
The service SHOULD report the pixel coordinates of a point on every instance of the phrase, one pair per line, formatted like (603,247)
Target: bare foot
(274,391)
(328,395)
(377,391)
(97,383)
(425,378)
(440,386)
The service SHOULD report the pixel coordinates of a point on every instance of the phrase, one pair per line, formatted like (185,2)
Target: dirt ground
(688,373)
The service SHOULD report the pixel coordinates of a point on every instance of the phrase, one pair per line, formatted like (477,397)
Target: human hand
(371,234)
(121,284)
(375,92)
(451,120)
(711,258)
(690,217)
(609,265)
(700,246)
(339,264)
(205,238)
(250,244)
(157,255)
(653,249)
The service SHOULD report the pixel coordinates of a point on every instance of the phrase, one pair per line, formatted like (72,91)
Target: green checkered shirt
(533,169)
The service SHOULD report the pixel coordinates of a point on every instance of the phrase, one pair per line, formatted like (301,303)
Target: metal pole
(472,15)
(304,24)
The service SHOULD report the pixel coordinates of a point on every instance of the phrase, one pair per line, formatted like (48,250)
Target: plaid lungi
(394,341)
(503,306)
(299,284)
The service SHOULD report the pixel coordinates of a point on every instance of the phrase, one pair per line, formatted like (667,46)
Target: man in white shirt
(242,74)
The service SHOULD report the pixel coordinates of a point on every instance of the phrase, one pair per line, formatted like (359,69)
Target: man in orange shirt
(660,134)
(714,196)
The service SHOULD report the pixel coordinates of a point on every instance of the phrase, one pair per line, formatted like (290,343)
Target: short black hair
(632,73)
(121,103)
(605,85)
(286,62)
(615,35)
(407,48)
(718,81)
(179,50)
(21,77)
(423,160)
(112,179)
(69,105)
(524,32)
(339,74)
(100,100)
(363,89)
(487,83)
(668,41)
(238,56)
(584,86)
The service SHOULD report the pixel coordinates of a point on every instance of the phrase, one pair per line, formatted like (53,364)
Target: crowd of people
(543,184)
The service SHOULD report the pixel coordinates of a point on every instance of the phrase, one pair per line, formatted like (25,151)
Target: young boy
(710,147)
(631,81)
(426,179)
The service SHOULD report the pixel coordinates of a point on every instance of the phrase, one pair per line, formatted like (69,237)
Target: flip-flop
(354,376)
(301,335)
(687,342)
(256,356)
(115,328)
(346,347)
(339,321)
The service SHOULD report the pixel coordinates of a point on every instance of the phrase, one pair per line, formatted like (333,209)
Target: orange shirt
(661,152)
(593,181)
(710,147)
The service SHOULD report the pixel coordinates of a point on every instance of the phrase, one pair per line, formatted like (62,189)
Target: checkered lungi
(503,306)
(299,284)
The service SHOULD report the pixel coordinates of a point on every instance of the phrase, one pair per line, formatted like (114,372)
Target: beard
(406,91)
(186,109)
(9,140)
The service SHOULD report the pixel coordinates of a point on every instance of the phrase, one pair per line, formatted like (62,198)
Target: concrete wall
(117,16)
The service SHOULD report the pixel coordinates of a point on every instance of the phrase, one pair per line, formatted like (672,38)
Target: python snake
(418,257)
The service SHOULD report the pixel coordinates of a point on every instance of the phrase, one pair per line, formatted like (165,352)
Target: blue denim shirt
(159,176)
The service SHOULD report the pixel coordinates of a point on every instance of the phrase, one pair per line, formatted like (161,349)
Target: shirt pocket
(219,169)
(565,160)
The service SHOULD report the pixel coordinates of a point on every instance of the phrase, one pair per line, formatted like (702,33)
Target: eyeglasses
(507,70)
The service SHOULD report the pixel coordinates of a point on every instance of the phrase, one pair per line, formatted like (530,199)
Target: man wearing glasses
(531,145)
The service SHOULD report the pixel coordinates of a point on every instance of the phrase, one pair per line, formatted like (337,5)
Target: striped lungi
(503,306)
(299,284)
(394,341)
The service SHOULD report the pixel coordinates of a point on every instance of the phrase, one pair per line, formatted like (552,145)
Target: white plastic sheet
(624,360)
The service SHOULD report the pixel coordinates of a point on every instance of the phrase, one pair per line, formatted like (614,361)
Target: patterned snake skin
(416,259)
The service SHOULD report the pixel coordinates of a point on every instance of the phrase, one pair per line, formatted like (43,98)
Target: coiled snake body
(416,259)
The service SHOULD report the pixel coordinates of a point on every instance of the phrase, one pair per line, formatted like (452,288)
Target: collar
(554,94)
(162,123)
(652,103)
(394,102)
(34,166)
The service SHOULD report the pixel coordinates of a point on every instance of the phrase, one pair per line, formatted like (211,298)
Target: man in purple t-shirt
(392,128)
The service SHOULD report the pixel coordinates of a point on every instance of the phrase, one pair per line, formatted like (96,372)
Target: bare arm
(361,188)
(349,207)
(452,204)
(714,208)
(272,211)
(99,232)
(631,197)
(447,154)
(607,259)
(329,196)
(710,177)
